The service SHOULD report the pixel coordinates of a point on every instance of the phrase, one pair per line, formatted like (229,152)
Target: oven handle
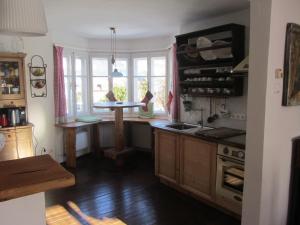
(226,159)
(237,198)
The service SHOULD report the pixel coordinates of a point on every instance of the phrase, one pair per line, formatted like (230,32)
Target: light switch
(278,74)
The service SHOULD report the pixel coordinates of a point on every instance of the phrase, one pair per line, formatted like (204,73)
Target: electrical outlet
(238,116)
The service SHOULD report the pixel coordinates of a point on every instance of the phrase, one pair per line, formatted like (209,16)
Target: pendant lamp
(115,72)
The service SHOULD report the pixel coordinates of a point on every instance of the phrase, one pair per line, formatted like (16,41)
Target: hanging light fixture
(22,18)
(113,38)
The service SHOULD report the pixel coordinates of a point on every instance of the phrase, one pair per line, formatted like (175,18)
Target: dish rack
(206,59)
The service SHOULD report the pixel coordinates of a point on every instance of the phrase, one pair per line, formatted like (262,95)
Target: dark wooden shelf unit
(209,78)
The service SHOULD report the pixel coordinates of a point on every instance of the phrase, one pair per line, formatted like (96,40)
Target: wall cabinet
(12,80)
(198,166)
(18,143)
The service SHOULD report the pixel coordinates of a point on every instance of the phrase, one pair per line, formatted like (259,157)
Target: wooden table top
(111,120)
(118,105)
(22,177)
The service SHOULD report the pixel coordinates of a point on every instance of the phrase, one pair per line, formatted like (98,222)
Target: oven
(230,174)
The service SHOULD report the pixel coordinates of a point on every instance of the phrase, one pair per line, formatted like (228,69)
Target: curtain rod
(107,51)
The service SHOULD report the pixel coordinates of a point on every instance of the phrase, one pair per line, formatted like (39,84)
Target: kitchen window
(88,79)
(76,83)
(150,72)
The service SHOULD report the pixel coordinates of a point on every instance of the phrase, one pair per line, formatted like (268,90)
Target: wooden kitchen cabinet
(12,80)
(166,155)
(198,166)
(18,143)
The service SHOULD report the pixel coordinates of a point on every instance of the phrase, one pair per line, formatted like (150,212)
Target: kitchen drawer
(9,151)
(9,135)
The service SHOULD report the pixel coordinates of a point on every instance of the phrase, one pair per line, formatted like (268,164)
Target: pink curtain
(175,109)
(59,86)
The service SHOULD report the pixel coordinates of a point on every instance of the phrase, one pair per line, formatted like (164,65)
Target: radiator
(82,140)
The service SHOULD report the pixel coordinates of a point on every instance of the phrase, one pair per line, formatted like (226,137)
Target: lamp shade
(116,73)
(22,17)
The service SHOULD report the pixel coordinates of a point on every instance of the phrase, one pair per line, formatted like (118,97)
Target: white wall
(40,110)
(236,104)
(24,210)
(131,45)
(272,127)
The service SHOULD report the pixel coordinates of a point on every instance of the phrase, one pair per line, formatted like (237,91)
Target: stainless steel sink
(181,126)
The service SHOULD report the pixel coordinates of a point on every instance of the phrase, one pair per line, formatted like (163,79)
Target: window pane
(158,89)
(65,66)
(100,89)
(140,88)
(81,94)
(158,66)
(68,93)
(122,66)
(140,67)
(100,67)
(120,88)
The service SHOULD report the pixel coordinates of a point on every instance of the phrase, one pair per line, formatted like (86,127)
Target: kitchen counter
(237,141)
(27,176)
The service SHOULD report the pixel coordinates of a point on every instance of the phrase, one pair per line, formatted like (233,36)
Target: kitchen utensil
(187,105)
(215,116)
(210,119)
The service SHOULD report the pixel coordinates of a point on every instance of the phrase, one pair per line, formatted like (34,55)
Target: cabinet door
(166,155)
(9,151)
(24,142)
(198,166)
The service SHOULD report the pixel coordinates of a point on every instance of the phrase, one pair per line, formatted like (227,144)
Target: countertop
(27,176)
(237,141)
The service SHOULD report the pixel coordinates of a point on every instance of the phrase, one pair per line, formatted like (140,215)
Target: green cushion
(88,119)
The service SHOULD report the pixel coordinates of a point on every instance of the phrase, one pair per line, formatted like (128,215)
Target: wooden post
(119,132)
(71,147)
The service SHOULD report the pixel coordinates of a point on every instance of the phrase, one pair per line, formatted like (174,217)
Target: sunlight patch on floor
(58,215)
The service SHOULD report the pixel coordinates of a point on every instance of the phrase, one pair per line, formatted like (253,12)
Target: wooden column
(71,147)
(119,131)
(95,140)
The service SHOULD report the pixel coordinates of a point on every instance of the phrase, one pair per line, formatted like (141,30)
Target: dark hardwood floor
(133,195)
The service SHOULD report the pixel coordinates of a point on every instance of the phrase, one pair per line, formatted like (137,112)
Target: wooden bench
(71,128)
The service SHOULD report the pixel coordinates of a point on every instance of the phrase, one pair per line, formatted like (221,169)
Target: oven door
(230,179)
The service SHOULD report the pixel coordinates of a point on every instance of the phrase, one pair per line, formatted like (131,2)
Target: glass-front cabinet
(12,88)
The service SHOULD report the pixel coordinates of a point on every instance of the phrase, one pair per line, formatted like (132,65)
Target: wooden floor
(133,196)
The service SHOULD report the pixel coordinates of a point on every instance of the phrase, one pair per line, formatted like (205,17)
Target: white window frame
(129,57)
(72,104)
(148,56)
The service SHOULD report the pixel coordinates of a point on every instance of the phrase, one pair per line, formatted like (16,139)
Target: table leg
(119,132)
(71,147)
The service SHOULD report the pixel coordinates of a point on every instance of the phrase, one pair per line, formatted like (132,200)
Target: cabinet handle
(237,198)
(9,135)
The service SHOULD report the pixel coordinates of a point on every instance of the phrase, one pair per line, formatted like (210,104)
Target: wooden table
(21,177)
(22,186)
(119,125)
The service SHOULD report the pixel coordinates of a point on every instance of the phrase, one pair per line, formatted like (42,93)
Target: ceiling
(132,18)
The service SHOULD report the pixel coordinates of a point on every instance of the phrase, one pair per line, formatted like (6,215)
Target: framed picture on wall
(291,80)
